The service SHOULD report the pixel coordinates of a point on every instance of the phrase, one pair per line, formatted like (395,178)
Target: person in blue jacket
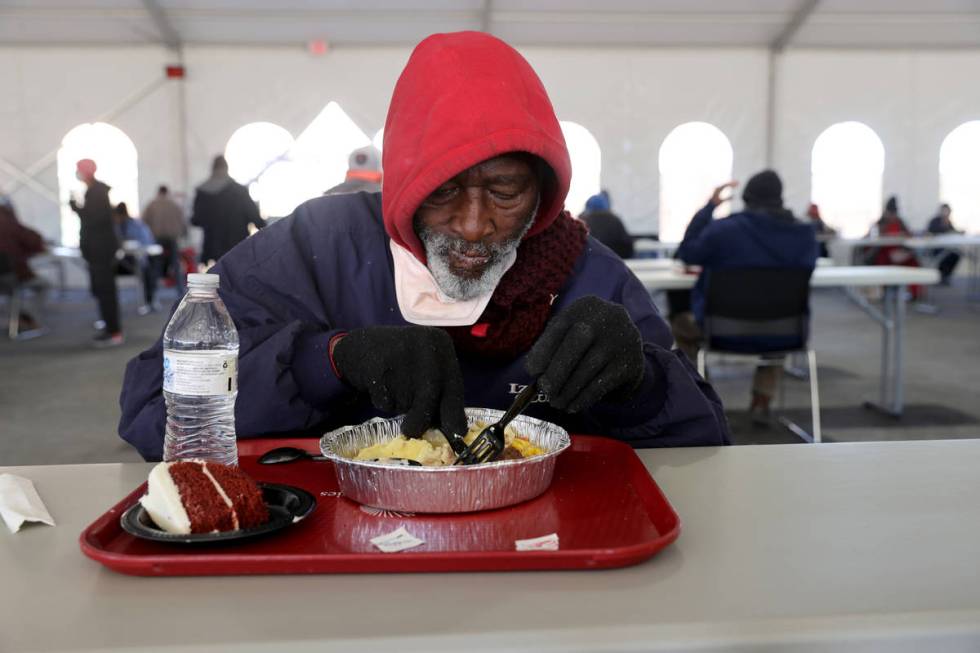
(129,228)
(458,285)
(764,234)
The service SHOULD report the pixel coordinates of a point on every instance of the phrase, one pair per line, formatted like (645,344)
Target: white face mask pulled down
(422,302)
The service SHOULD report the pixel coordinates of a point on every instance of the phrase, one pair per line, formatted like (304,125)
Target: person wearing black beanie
(763,191)
(763,235)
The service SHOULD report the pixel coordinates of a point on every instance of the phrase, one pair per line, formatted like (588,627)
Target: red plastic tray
(603,504)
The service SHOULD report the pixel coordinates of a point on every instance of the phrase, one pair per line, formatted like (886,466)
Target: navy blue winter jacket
(327,269)
(744,240)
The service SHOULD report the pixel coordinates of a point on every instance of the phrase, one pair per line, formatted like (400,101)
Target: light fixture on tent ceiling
(318,47)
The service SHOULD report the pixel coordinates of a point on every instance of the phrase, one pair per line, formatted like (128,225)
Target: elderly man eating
(456,286)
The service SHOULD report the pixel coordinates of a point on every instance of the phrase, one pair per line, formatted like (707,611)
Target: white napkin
(547,542)
(398,540)
(19,502)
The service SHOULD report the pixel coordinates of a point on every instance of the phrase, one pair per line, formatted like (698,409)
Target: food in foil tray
(432,449)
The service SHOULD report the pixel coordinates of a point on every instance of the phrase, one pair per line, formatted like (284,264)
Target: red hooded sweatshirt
(464,98)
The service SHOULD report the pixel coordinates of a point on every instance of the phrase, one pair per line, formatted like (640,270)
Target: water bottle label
(201,373)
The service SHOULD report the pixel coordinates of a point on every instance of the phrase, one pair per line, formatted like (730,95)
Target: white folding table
(892,279)
(854,548)
(969,245)
(637,264)
(654,247)
(59,256)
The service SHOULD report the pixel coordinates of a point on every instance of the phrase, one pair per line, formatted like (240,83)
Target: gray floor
(59,398)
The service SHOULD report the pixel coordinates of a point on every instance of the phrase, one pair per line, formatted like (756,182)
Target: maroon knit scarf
(521,304)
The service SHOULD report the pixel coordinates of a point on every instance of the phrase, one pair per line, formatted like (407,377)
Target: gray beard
(438,247)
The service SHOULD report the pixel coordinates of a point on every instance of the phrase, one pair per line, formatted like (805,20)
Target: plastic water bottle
(200,376)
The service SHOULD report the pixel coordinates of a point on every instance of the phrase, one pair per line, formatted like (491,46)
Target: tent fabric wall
(45,92)
(629,99)
(911,99)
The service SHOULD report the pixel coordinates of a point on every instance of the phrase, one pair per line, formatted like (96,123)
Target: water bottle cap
(202,280)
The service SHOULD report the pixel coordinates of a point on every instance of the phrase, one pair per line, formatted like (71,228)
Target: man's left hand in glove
(588,352)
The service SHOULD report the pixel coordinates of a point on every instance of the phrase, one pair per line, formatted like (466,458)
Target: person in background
(605,226)
(680,309)
(166,220)
(363,173)
(762,235)
(18,244)
(948,259)
(820,227)
(224,210)
(892,225)
(131,229)
(99,243)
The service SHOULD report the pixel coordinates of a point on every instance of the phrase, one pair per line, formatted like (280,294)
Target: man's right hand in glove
(410,369)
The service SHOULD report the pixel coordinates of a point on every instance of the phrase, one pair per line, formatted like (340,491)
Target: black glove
(589,351)
(411,370)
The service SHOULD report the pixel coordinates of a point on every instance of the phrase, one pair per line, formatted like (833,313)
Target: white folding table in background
(969,246)
(654,247)
(637,264)
(60,256)
(892,279)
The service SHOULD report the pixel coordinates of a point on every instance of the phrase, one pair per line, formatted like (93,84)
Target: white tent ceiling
(874,24)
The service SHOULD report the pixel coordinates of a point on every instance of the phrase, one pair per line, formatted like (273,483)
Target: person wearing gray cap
(363,173)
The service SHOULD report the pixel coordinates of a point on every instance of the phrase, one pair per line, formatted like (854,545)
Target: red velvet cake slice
(245,496)
(194,496)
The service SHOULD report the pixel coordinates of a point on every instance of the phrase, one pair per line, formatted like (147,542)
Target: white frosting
(224,495)
(162,502)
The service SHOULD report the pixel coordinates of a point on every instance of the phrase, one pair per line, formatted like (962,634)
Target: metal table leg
(891,399)
(973,283)
(62,278)
(141,259)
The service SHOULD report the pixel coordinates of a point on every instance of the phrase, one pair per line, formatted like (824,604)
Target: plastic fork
(490,443)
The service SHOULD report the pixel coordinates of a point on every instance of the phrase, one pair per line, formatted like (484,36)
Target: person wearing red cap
(823,231)
(99,243)
(460,283)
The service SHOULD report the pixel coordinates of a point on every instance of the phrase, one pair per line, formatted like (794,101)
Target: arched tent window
(695,158)
(846,168)
(254,147)
(283,172)
(259,156)
(114,155)
(586,156)
(959,167)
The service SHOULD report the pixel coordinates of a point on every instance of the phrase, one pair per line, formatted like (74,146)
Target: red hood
(464,98)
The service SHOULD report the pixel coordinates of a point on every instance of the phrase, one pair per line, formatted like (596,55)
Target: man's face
(471,223)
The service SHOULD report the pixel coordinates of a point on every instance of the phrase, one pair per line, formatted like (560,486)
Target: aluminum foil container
(466,488)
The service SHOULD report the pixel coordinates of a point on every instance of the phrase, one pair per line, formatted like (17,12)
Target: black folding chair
(10,285)
(764,313)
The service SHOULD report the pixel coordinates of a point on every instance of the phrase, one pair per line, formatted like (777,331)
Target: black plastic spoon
(286,455)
